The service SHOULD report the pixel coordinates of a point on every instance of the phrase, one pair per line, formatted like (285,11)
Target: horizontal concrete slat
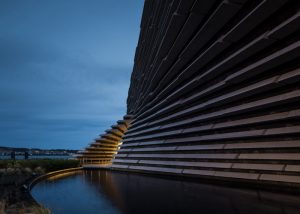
(280,178)
(189,164)
(164,170)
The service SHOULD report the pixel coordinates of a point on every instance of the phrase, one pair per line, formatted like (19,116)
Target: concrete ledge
(50,174)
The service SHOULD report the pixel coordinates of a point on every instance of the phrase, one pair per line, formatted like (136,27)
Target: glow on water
(107,192)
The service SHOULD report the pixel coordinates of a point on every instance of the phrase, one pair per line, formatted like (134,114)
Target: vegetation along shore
(14,177)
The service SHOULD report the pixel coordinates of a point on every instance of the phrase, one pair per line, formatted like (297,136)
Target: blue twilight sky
(65,68)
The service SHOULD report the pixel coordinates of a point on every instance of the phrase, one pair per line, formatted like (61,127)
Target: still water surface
(106,192)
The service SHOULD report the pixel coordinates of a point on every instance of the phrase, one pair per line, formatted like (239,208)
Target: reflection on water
(100,191)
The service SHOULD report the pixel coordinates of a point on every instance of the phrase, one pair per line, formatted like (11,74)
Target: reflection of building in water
(214,94)
(103,180)
(133,193)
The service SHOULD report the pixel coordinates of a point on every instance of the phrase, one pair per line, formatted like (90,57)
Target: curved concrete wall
(215,91)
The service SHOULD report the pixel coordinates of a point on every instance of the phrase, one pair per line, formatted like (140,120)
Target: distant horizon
(11,147)
(65,69)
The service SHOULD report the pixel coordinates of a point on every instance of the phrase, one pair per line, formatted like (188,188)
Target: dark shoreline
(17,198)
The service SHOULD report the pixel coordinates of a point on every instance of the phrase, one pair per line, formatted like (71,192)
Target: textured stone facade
(215,91)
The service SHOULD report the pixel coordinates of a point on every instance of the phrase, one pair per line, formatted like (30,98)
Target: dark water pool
(106,192)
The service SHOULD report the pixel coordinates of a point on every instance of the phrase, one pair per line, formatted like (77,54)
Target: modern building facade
(214,93)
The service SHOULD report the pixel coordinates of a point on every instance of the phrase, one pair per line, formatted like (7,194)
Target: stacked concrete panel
(215,91)
(102,150)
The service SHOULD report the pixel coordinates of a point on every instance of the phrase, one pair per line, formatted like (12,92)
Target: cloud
(15,53)
(64,69)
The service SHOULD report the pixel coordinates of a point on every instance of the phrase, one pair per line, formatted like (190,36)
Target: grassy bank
(14,173)
(18,171)
(47,165)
